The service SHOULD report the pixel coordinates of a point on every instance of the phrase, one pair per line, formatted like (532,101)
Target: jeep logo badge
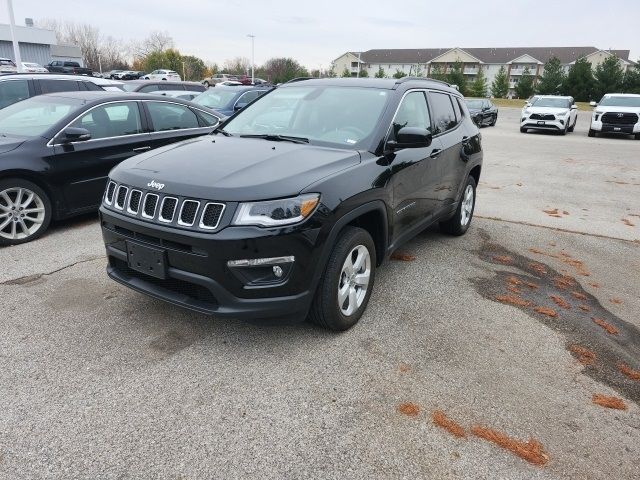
(156,185)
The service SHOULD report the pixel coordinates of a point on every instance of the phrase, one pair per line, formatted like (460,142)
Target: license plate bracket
(148,260)
(541,122)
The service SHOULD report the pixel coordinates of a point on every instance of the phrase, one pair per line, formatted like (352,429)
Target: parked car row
(230,80)
(617,113)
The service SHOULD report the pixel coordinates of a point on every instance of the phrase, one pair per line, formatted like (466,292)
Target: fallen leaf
(531,451)
(402,256)
(629,372)
(513,300)
(585,356)
(608,402)
(441,420)
(610,329)
(584,308)
(549,312)
(561,302)
(578,295)
(504,259)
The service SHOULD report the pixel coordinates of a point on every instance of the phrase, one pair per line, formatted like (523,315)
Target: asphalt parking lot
(98,381)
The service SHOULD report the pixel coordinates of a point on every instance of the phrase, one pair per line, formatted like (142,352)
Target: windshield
(477,104)
(215,97)
(34,116)
(619,101)
(335,116)
(552,102)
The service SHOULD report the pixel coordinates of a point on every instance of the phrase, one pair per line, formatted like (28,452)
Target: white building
(422,61)
(37,45)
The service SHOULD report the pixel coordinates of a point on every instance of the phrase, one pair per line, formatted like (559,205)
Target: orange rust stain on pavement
(402,256)
(504,259)
(578,295)
(441,420)
(608,402)
(404,368)
(410,409)
(617,301)
(531,451)
(610,329)
(629,372)
(549,312)
(561,302)
(584,308)
(585,356)
(513,300)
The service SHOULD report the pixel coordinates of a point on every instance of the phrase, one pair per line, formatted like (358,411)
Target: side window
(248,97)
(111,120)
(13,91)
(53,86)
(91,86)
(457,109)
(149,89)
(413,112)
(171,116)
(444,118)
(207,119)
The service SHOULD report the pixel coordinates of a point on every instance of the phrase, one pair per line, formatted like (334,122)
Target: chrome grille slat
(111,189)
(150,205)
(188,212)
(211,215)
(121,197)
(168,209)
(133,207)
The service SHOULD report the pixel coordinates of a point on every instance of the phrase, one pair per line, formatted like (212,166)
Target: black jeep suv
(291,204)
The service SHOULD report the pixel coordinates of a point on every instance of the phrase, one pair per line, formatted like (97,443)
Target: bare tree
(237,65)
(155,42)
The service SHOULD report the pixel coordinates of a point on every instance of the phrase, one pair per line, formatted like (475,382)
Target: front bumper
(197,274)
(626,129)
(534,124)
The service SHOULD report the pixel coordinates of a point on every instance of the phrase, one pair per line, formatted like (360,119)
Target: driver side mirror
(574,107)
(239,106)
(593,104)
(75,134)
(410,137)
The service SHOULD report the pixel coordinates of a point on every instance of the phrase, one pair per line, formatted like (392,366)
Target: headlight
(274,213)
(597,113)
(527,111)
(562,114)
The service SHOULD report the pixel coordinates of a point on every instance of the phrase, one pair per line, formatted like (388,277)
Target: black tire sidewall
(453,226)
(18,182)
(326,310)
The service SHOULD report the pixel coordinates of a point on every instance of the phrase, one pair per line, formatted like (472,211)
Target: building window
(354,64)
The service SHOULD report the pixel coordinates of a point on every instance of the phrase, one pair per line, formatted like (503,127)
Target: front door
(413,176)
(82,167)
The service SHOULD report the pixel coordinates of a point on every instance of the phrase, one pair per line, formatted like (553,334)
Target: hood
(8,143)
(550,110)
(617,109)
(233,168)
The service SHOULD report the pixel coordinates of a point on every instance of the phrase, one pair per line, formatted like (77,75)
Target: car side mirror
(411,137)
(574,107)
(75,134)
(593,104)
(239,106)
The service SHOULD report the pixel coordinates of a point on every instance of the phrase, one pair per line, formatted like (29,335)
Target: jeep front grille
(179,212)
(188,212)
(121,197)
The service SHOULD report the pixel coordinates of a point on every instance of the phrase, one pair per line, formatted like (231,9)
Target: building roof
(485,55)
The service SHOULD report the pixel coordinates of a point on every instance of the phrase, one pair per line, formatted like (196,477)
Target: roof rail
(408,79)
(299,79)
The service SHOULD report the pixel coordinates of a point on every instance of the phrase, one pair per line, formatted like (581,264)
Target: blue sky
(315,32)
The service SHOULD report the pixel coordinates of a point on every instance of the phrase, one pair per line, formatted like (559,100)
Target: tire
(206,84)
(566,129)
(572,127)
(164,79)
(495,120)
(17,226)
(592,133)
(461,220)
(326,309)
(637,136)
(523,130)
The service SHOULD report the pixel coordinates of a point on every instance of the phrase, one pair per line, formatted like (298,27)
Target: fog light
(258,262)
(277,271)
(262,272)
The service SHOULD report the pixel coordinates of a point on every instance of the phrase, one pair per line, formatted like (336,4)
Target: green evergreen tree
(436,72)
(381,73)
(524,87)
(332,72)
(609,77)
(346,73)
(580,83)
(478,87)
(552,78)
(456,77)
(500,84)
(363,73)
(631,83)
(399,74)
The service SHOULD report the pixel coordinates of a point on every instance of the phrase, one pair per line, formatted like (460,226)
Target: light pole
(184,77)
(100,64)
(12,27)
(253,79)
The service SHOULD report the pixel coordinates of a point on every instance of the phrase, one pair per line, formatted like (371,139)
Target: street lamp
(184,77)
(252,37)
(12,28)
(100,64)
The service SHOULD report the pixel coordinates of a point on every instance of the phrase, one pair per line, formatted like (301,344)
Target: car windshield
(474,103)
(552,102)
(332,116)
(215,97)
(619,101)
(34,116)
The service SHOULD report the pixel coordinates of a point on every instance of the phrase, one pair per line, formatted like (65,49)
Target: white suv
(549,112)
(616,113)
(163,75)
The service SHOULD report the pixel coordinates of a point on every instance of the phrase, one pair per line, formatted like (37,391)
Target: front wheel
(459,223)
(572,127)
(345,287)
(523,130)
(592,133)
(206,84)
(637,136)
(495,119)
(25,211)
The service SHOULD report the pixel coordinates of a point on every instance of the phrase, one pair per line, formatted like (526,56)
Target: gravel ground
(99,382)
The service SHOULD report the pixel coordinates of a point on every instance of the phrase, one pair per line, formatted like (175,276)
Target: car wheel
(637,136)
(25,211)
(206,84)
(164,79)
(459,223)
(523,130)
(566,129)
(345,287)
(592,133)
(495,119)
(572,127)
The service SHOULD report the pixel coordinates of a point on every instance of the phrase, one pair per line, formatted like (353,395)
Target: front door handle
(141,149)
(436,153)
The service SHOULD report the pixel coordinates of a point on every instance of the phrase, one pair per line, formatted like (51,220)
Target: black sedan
(56,150)
(482,111)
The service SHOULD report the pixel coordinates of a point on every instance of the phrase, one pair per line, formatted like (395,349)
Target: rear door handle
(141,149)
(436,153)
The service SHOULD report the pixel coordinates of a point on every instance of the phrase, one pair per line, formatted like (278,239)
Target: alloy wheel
(354,280)
(467,206)
(22,213)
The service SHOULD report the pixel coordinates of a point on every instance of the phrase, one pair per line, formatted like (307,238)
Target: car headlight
(275,213)
(562,114)
(526,111)
(597,113)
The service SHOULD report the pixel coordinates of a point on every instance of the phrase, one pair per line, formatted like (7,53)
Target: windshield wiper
(278,138)
(222,131)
